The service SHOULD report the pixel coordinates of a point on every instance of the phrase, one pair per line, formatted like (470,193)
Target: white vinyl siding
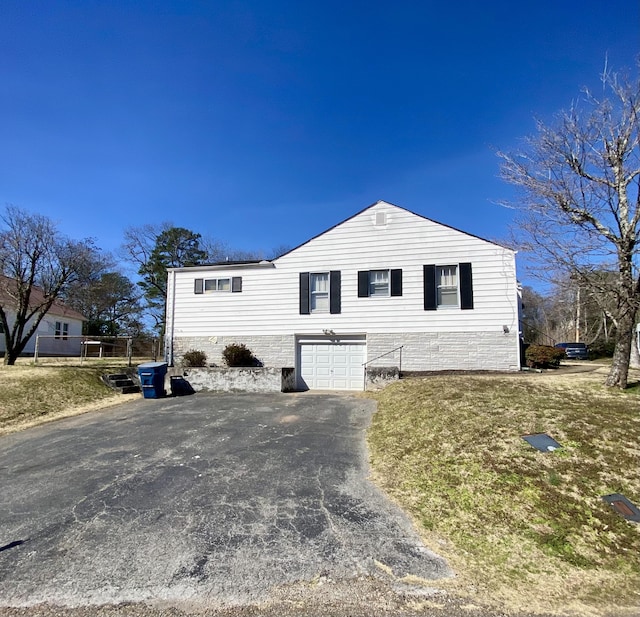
(270,302)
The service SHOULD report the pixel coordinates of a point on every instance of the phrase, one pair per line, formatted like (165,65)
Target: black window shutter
(363,283)
(198,286)
(466,286)
(396,282)
(334,291)
(429,280)
(304,293)
(236,284)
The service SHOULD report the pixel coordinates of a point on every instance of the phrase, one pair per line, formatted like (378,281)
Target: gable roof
(58,308)
(386,203)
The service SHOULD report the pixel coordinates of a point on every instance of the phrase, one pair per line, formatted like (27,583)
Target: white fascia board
(224,266)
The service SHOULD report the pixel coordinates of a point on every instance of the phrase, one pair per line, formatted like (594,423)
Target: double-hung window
(379,283)
(319,292)
(447,285)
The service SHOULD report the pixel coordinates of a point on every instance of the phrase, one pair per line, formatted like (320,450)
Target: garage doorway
(331,363)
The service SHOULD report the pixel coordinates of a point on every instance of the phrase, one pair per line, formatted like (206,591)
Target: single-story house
(383,287)
(59,331)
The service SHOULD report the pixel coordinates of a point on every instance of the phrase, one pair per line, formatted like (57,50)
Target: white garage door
(332,365)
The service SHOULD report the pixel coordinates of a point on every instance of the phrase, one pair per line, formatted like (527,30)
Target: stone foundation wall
(458,351)
(422,351)
(269,350)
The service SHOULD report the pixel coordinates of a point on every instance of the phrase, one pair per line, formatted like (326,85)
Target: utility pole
(578,315)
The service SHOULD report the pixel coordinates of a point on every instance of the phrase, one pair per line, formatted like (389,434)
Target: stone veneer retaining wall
(422,351)
(236,379)
(381,376)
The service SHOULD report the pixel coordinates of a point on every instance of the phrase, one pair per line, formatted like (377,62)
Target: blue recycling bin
(152,376)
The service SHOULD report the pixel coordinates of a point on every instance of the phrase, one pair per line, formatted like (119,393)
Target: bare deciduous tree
(37,264)
(580,211)
(110,302)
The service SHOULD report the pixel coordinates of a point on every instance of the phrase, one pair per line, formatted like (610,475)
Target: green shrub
(194,357)
(602,349)
(237,354)
(543,356)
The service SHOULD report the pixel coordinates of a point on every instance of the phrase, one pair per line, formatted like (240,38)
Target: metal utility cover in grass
(542,442)
(623,507)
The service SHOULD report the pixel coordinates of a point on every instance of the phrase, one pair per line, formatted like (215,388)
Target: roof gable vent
(381,219)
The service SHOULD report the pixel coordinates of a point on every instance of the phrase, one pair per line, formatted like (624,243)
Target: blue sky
(262,123)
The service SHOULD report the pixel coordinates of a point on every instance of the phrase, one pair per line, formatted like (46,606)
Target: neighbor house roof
(58,308)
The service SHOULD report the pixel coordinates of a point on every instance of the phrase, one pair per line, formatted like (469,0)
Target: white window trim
(439,286)
(371,284)
(313,293)
(217,285)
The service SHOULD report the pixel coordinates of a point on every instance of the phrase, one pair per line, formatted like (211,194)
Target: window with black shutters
(221,284)
(320,292)
(379,283)
(448,286)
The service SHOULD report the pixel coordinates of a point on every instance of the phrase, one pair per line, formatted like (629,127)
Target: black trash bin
(152,376)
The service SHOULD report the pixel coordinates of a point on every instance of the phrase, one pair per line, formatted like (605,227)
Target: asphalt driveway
(214,499)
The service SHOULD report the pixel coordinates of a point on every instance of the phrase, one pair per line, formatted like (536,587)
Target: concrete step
(129,389)
(122,383)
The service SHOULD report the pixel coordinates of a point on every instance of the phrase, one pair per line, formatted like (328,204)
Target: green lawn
(521,528)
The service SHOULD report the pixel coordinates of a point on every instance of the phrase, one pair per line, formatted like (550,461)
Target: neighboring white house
(60,330)
(384,278)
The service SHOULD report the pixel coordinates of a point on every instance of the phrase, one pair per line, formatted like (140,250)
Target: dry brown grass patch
(449,449)
(31,395)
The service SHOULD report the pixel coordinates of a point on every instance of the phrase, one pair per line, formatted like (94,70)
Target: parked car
(575,351)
